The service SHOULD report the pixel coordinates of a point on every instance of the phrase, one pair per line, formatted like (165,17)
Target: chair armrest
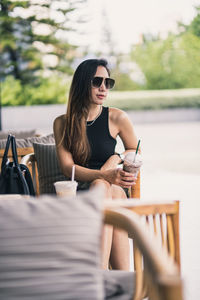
(162,277)
(30,161)
(27,159)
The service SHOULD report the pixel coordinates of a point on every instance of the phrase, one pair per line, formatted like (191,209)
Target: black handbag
(15,178)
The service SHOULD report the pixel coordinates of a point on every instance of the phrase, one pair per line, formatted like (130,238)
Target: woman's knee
(103,182)
(105,186)
(118,192)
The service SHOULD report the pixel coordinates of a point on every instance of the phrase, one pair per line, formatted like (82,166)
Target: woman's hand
(119,177)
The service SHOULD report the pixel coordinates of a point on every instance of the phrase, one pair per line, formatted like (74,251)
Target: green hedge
(144,100)
(55,91)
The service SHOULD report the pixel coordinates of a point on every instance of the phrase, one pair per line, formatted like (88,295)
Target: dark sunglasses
(97,82)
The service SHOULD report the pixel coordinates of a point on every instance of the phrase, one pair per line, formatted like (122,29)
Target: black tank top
(102,144)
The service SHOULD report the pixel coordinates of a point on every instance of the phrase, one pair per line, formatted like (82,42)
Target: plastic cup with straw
(73,182)
(136,150)
(67,187)
(132,165)
(73,173)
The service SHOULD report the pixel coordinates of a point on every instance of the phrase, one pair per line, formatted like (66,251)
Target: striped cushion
(28,142)
(50,248)
(48,167)
(18,134)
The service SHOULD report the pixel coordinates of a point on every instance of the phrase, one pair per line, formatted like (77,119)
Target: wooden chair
(163,220)
(164,217)
(135,190)
(30,161)
(161,275)
(21,152)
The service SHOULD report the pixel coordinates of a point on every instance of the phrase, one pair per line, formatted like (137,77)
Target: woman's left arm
(120,124)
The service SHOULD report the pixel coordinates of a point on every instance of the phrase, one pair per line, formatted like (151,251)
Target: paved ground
(171,170)
(170,144)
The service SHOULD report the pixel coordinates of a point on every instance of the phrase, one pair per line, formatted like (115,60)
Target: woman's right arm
(65,159)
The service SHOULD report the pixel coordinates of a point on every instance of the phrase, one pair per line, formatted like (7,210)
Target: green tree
(33,37)
(171,63)
(18,57)
(194,26)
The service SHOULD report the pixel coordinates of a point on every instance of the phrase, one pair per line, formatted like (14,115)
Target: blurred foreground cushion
(118,285)
(48,167)
(50,247)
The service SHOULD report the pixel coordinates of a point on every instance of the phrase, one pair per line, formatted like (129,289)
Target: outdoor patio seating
(44,168)
(24,145)
(49,250)
(20,151)
(162,219)
(161,276)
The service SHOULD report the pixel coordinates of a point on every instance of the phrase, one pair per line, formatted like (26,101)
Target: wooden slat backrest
(163,219)
(161,275)
(165,222)
(21,152)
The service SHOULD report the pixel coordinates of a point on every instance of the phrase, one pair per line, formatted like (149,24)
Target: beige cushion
(50,247)
(48,168)
(28,142)
(18,134)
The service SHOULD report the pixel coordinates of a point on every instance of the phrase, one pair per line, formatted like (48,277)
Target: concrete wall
(42,116)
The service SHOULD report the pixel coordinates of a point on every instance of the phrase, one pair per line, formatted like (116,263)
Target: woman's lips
(100,96)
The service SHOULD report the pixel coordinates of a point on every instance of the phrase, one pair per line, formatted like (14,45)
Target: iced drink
(66,188)
(132,164)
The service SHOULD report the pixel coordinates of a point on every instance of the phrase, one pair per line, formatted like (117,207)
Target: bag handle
(10,140)
(19,168)
(14,150)
(5,155)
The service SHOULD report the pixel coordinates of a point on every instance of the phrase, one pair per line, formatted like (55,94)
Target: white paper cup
(66,188)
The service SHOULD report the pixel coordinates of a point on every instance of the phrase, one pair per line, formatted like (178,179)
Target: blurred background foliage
(32,38)
(37,61)
(171,63)
(50,90)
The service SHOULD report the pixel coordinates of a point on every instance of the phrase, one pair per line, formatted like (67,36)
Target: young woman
(86,136)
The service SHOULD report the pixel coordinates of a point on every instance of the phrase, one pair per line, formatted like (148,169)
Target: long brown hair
(75,135)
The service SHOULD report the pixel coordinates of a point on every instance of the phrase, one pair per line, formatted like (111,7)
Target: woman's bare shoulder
(117,114)
(60,120)
(59,125)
